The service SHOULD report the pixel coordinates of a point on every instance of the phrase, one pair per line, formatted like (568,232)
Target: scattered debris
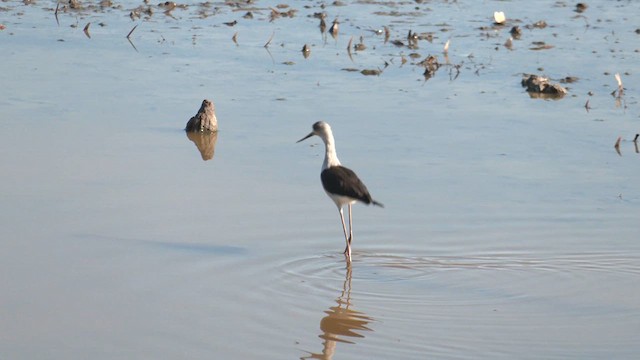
(168,5)
(131,32)
(75,4)
(205,119)
(369,72)
(266,45)
(540,85)
(635,144)
(333,30)
(540,45)
(129,38)
(86,30)
(275,14)
(620,86)
(509,43)
(581,7)
(56,13)
(360,46)
(431,65)
(412,39)
(569,79)
(306,51)
(516,32)
(541,24)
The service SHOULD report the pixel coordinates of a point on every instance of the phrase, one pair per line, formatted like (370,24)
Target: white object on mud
(499,18)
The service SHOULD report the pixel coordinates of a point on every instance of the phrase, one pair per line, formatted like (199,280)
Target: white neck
(330,156)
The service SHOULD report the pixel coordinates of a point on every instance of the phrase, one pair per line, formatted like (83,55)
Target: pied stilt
(341,184)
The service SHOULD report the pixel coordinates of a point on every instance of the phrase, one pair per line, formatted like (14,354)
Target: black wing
(340,180)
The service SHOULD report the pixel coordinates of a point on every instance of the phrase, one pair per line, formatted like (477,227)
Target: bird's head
(321,129)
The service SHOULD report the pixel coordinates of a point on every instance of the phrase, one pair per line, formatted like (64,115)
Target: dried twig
(129,37)
(86,30)
(131,32)
(56,13)
(271,56)
(620,86)
(269,41)
(134,47)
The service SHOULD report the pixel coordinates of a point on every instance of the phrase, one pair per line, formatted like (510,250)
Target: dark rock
(205,119)
(306,51)
(581,7)
(369,72)
(430,63)
(75,4)
(540,85)
(541,24)
(516,32)
(569,79)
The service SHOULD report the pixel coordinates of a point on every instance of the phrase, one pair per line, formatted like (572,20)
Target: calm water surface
(510,227)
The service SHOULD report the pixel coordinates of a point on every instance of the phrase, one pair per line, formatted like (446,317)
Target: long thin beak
(306,137)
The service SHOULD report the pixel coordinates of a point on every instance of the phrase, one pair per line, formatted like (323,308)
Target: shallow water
(510,223)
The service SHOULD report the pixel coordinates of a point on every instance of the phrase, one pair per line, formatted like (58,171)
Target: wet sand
(510,222)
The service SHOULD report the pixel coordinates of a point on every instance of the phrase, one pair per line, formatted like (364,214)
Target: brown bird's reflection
(205,141)
(342,324)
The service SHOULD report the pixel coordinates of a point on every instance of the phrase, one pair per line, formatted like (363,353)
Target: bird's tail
(377,203)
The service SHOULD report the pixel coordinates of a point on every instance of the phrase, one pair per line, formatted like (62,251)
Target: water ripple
(484,298)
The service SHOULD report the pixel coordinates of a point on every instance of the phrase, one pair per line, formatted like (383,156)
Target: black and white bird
(341,184)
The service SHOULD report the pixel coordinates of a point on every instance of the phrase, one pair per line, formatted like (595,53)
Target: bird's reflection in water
(342,324)
(205,141)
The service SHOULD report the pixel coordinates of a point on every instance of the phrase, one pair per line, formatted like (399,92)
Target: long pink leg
(350,226)
(347,250)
